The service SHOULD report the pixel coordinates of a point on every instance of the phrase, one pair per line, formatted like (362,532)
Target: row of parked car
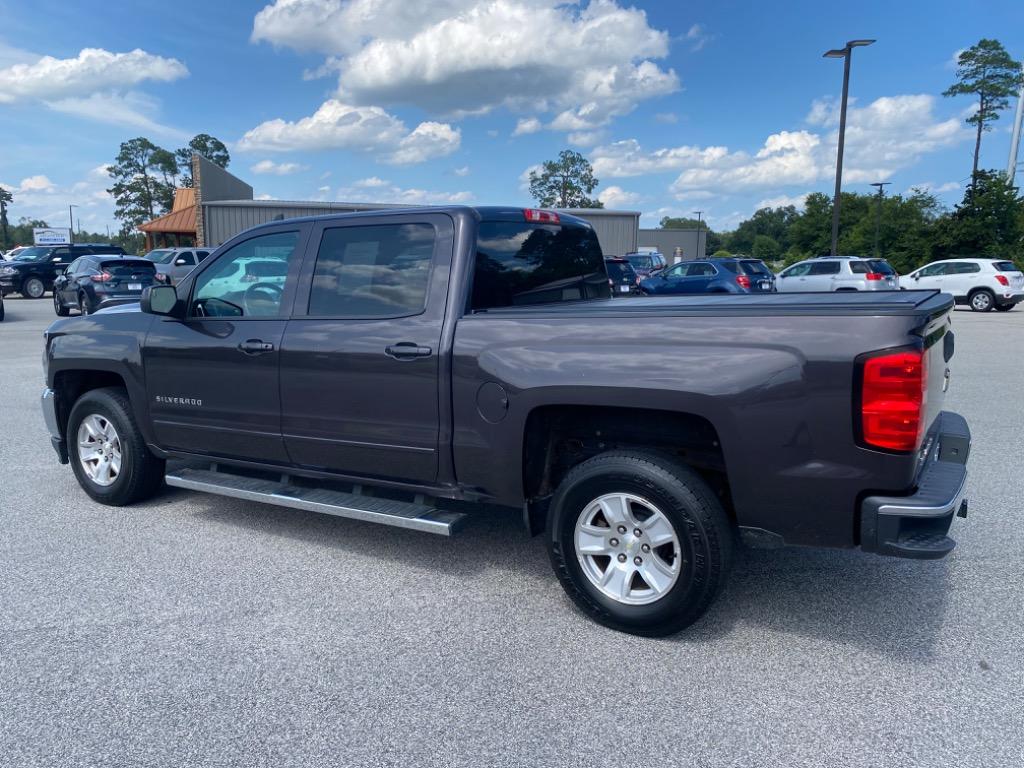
(982,284)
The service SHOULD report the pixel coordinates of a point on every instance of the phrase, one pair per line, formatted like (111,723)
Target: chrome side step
(402,514)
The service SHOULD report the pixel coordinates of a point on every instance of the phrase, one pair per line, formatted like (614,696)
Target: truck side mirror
(160,300)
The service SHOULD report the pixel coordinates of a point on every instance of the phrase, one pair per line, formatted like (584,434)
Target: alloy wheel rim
(980,301)
(34,288)
(627,548)
(99,449)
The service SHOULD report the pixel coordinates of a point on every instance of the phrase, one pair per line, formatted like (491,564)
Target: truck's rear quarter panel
(774,376)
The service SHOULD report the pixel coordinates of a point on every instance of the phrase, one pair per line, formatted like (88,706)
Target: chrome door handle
(406,350)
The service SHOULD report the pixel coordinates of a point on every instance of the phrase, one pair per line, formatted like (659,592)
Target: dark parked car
(621,276)
(397,369)
(711,276)
(94,282)
(646,264)
(33,271)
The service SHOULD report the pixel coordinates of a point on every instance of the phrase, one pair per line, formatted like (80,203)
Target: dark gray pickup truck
(403,367)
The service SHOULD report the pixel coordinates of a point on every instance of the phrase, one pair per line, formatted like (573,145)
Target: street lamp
(699,228)
(71,219)
(878,211)
(841,53)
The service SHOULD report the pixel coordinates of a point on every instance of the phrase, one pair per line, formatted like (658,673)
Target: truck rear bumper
(916,526)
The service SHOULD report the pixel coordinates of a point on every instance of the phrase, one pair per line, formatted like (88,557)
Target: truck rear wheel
(639,542)
(107,451)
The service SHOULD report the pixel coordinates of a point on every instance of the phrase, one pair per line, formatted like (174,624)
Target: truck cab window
(248,280)
(372,271)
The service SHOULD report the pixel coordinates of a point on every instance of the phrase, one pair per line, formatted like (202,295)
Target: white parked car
(979,283)
(838,273)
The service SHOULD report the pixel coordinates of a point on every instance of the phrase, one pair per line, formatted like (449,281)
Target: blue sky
(720,107)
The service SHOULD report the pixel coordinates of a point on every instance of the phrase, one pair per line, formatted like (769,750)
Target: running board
(402,514)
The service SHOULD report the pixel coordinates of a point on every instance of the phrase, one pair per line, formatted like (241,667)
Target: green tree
(810,234)
(988,222)
(712,240)
(987,71)
(143,182)
(6,197)
(204,144)
(773,223)
(565,183)
(765,248)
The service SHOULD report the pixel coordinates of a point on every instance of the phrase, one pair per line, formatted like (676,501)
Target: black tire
(1004,307)
(84,308)
(33,287)
(981,300)
(704,532)
(142,473)
(58,305)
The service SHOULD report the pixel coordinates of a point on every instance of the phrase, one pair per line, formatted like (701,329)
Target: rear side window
(754,268)
(697,269)
(520,263)
(964,268)
(375,271)
(824,268)
(732,266)
(859,267)
(1005,266)
(202,254)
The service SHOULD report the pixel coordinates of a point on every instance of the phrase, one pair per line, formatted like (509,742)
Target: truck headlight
(7,270)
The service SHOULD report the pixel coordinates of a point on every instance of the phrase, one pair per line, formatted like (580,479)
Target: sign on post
(51,235)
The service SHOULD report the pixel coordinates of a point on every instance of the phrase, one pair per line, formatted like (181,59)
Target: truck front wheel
(108,453)
(639,542)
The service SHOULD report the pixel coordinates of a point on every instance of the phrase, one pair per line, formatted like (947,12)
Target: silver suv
(838,273)
(175,263)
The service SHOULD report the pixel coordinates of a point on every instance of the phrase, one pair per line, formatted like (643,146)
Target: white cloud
(524,177)
(265,196)
(666,118)
(586,138)
(935,189)
(428,140)
(527,125)
(782,201)
(371,182)
(37,183)
(698,37)
(463,171)
(128,109)
(336,125)
(591,62)
(887,135)
(277,169)
(392,193)
(617,197)
(94,69)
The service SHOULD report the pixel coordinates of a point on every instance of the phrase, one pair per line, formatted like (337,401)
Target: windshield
(163,256)
(1005,266)
(32,254)
(640,261)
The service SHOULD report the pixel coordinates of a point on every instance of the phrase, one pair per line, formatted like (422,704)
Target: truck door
(360,357)
(212,378)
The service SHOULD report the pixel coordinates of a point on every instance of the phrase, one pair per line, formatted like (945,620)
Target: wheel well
(979,289)
(560,437)
(71,385)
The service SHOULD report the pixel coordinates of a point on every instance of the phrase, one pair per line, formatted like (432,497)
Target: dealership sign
(51,235)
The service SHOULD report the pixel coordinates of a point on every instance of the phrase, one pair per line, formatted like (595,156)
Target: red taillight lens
(874,276)
(1001,279)
(102,277)
(892,400)
(541,217)
(743,281)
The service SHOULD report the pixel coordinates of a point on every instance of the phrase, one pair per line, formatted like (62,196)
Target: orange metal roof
(182,217)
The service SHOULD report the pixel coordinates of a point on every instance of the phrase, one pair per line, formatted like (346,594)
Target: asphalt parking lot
(199,630)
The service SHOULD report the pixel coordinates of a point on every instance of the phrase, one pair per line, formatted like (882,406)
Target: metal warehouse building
(225,207)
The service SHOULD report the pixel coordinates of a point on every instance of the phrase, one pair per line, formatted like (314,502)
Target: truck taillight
(1001,279)
(102,277)
(892,400)
(874,276)
(541,217)
(743,281)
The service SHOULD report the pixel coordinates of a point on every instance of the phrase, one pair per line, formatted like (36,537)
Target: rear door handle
(255,346)
(406,350)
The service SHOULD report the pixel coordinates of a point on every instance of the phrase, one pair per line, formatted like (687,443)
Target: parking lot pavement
(198,630)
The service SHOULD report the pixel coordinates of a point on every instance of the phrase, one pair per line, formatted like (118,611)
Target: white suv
(838,273)
(980,283)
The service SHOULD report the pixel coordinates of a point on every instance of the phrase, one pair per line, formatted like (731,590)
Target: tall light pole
(878,212)
(699,228)
(841,53)
(71,219)
(1011,167)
